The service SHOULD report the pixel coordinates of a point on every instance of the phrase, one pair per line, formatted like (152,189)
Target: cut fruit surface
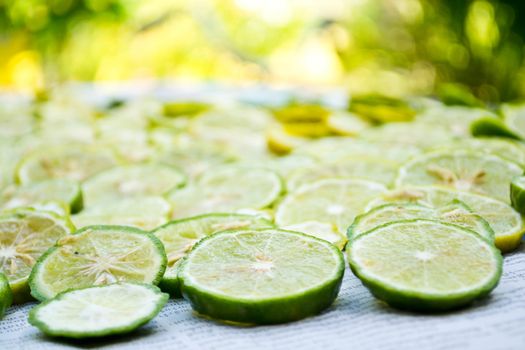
(6,295)
(425,265)
(321,230)
(98,255)
(266,276)
(464,171)
(98,311)
(517,194)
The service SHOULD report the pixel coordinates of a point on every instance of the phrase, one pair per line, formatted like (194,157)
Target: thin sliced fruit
(227,189)
(98,311)
(142,212)
(24,236)
(492,126)
(6,295)
(65,162)
(132,181)
(98,255)
(425,265)
(266,276)
(332,201)
(515,119)
(457,119)
(464,171)
(366,168)
(281,142)
(63,191)
(517,194)
(506,222)
(170,281)
(456,213)
(180,236)
(346,124)
(321,230)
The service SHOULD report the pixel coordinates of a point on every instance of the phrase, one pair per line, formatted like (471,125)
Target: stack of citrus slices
(244,210)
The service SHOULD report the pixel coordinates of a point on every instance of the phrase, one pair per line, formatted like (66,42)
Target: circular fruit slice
(24,236)
(455,213)
(425,265)
(75,163)
(515,119)
(517,194)
(465,171)
(66,192)
(331,201)
(227,189)
(321,230)
(372,169)
(346,124)
(132,181)
(98,311)
(502,218)
(98,255)
(266,276)
(6,295)
(180,236)
(142,212)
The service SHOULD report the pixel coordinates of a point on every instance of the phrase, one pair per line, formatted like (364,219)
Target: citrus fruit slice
(142,212)
(98,311)
(6,295)
(506,222)
(75,163)
(227,189)
(266,276)
(515,118)
(465,171)
(331,201)
(455,213)
(517,194)
(24,236)
(63,191)
(425,265)
(346,124)
(132,181)
(322,230)
(180,236)
(98,255)
(492,126)
(366,168)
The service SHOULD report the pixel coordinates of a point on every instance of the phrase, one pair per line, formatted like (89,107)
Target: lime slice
(132,181)
(24,236)
(321,230)
(425,265)
(98,311)
(332,149)
(6,296)
(227,189)
(455,213)
(170,281)
(62,191)
(465,171)
(381,108)
(281,142)
(457,119)
(180,236)
(372,169)
(515,119)
(331,201)
(503,219)
(98,255)
(75,163)
(491,126)
(517,194)
(266,276)
(346,124)
(142,212)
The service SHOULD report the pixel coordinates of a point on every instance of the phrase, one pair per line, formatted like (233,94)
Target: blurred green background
(391,47)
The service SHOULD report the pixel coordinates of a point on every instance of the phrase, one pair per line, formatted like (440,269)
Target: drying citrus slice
(6,296)
(280,142)
(346,124)
(24,236)
(455,213)
(366,168)
(492,126)
(503,219)
(98,311)
(332,201)
(227,189)
(142,212)
(465,171)
(425,265)
(98,255)
(71,162)
(322,230)
(132,181)
(266,276)
(517,194)
(180,236)
(63,191)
